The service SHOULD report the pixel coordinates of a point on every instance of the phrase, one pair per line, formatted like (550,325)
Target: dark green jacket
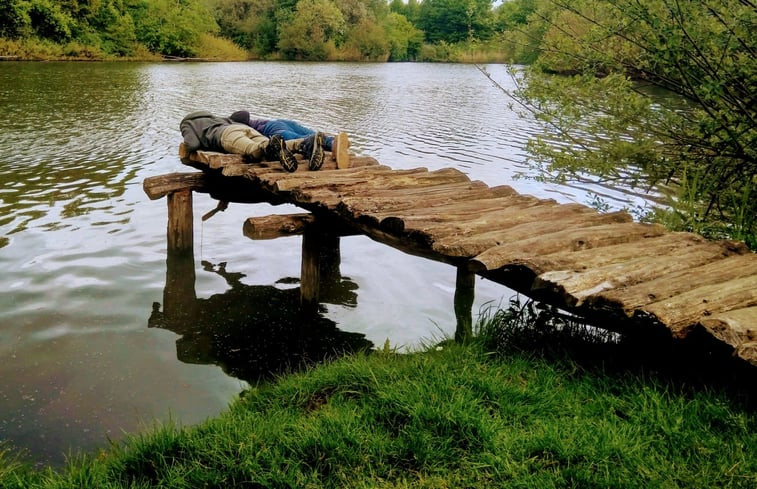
(202,130)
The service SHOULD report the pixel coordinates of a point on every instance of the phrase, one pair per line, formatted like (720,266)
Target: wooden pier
(616,273)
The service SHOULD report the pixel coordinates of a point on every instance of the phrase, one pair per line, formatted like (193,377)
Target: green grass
(454,416)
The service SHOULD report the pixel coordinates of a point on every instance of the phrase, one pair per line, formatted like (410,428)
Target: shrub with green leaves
(650,92)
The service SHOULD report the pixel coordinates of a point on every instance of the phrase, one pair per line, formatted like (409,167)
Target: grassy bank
(452,416)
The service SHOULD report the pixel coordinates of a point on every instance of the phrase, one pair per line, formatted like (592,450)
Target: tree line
(368,30)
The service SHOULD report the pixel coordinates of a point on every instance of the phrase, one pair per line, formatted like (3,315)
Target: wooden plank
(369,179)
(270,176)
(575,286)
(210,159)
(435,214)
(363,177)
(159,186)
(276,226)
(380,204)
(543,230)
(280,225)
(235,170)
(348,200)
(693,284)
(662,245)
(737,328)
(458,227)
(737,290)
(332,197)
(341,150)
(523,249)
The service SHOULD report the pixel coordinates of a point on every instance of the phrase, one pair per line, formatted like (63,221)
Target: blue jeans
(289,129)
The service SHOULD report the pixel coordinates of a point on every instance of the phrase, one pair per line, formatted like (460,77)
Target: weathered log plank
(668,244)
(381,204)
(468,211)
(334,197)
(159,186)
(524,250)
(737,328)
(520,237)
(739,290)
(687,293)
(276,226)
(270,176)
(280,225)
(575,286)
(370,178)
(495,223)
(210,159)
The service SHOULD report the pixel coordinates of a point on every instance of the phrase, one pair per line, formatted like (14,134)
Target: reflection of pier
(250,331)
(618,274)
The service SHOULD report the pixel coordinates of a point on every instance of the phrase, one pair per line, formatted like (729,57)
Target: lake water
(83,251)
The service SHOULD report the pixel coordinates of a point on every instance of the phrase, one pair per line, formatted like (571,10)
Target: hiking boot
(277,150)
(316,153)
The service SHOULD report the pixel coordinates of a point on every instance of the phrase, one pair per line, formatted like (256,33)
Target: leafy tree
(49,21)
(171,27)
(514,13)
(369,39)
(455,20)
(410,9)
(614,125)
(354,11)
(14,18)
(309,32)
(249,23)
(113,25)
(405,39)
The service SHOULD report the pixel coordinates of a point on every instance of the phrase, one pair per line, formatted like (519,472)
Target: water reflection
(252,332)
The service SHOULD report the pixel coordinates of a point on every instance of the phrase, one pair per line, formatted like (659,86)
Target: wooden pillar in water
(464,294)
(321,258)
(179,297)
(180,230)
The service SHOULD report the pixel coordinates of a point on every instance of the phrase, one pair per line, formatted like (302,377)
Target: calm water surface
(84,355)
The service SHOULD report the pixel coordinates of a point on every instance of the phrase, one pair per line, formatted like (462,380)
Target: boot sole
(316,159)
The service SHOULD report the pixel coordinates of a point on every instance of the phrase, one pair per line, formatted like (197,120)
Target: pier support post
(321,258)
(180,230)
(179,296)
(464,294)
